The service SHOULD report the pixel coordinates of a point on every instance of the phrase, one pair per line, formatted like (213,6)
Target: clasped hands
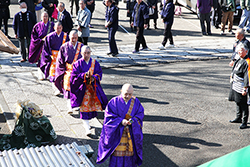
(126,122)
(88,76)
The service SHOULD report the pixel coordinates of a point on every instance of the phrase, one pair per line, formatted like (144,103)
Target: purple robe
(36,43)
(112,132)
(78,87)
(52,42)
(66,55)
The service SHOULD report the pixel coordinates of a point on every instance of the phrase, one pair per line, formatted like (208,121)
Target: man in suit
(4,15)
(65,18)
(111,24)
(23,23)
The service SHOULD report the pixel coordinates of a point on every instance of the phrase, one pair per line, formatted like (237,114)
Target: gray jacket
(82,20)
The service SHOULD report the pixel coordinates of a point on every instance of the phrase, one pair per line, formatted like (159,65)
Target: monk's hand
(125,122)
(87,74)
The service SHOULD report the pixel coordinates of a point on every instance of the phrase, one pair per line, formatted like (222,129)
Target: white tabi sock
(70,111)
(55,90)
(40,74)
(86,126)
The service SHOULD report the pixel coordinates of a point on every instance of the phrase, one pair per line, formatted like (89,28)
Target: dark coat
(130,6)
(66,21)
(18,23)
(30,4)
(112,16)
(48,9)
(142,15)
(151,3)
(4,9)
(90,7)
(167,13)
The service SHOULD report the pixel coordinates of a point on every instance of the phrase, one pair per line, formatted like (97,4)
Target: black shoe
(236,121)
(243,126)
(204,33)
(109,53)
(209,33)
(114,54)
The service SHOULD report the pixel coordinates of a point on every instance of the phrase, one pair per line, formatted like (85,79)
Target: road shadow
(153,118)
(152,156)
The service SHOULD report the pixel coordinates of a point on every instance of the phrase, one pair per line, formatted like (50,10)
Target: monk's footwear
(243,126)
(236,121)
(70,112)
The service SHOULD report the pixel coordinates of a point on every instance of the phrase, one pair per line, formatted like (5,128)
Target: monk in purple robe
(121,136)
(52,44)
(69,53)
(40,30)
(86,91)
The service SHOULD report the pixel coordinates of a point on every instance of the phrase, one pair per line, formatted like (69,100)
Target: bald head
(127,91)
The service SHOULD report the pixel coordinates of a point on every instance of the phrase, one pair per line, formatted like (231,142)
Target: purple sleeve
(60,69)
(111,132)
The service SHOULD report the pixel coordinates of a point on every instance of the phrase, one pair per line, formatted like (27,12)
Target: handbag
(151,11)
(227,8)
(55,12)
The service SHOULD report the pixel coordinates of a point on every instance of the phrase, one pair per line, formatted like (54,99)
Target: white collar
(74,45)
(59,34)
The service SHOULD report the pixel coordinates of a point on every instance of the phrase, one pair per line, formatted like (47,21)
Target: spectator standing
(153,4)
(130,7)
(204,7)
(140,16)
(91,6)
(23,23)
(121,137)
(228,9)
(49,6)
(69,53)
(72,6)
(216,14)
(167,15)
(82,21)
(111,23)
(245,17)
(87,75)
(65,18)
(39,32)
(38,10)
(239,85)
(4,15)
(31,4)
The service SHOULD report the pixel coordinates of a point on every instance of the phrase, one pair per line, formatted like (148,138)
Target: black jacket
(66,21)
(4,8)
(48,9)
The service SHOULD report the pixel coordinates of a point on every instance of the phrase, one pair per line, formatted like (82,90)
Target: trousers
(167,34)
(227,16)
(140,39)
(205,17)
(23,48)
(112,43)
(244,18)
